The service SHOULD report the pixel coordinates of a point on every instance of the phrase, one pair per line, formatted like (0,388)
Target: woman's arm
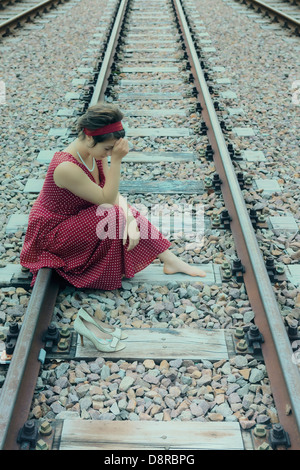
(70,176)
(121,202)
(131,231)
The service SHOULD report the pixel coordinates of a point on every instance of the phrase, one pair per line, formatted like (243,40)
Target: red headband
(116,126)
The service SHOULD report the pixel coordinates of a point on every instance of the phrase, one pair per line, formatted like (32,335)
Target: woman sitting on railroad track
(80,225)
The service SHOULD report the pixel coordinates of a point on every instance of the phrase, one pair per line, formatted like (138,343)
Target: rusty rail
(101,84)
(288,20)
(283,373)
(18,389)
(15,20)
(19,385)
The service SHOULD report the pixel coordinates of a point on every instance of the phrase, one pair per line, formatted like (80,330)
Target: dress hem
(79,285)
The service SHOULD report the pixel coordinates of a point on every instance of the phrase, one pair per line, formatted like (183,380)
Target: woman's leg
(173,265)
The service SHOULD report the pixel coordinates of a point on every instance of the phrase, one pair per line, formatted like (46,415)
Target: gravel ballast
(262,66)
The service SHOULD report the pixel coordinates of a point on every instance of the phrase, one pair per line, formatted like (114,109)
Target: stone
(57,407)
(170,402)
(61,369)
(95,390)
(247,424)
(151,379)
(226,369)
(115,409)
(170,374)
(220,398)
(85,403)
(215,417)
(166,415)
(149,364)
(245,373)
(105,372)
(144,417)
(62,382)
(186,415)
(256,376)
(155,409)
(126,382)
(164,365)
(174,392)
(107,416)
(176,363)
(234,398)
(240,361)
(196,410)
(82,390)
(131,405)
(204,380)
(223,409)
(37,412)
(68,415)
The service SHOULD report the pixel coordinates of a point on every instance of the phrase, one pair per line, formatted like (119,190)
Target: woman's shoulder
(62,155)
(64,159)
(65,168)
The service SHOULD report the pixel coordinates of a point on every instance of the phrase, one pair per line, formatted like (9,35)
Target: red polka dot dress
(82,241)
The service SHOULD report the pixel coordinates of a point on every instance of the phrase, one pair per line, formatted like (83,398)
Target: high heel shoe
(86,329)
(116,332)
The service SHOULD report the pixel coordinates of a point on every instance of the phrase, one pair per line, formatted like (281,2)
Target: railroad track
(286,13)
(14,14)
(133,58)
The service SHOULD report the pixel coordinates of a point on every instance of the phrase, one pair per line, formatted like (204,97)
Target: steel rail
(20,382)
(17,391)
(24,14)
(268,8)
(283,373)
(101,83)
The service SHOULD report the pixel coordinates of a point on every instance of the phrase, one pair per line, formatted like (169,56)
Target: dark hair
(97,116)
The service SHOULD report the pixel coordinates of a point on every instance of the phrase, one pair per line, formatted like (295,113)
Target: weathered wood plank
(45,156)
(156,50)
(147,435)
(139,186)
(151,59)
(167,39)
(155,112)
(154,274)
(293,274)
(158,132)
(13,276)
(163,343)
(158,83)
(157,157)
(150,96)
(162,187)
(154,69)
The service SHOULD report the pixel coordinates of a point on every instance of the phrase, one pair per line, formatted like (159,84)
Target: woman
(80,225)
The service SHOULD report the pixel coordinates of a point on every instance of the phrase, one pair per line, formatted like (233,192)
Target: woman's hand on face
(120,150)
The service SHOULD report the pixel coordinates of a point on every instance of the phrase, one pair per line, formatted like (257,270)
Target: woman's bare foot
(186,269)
(173,265)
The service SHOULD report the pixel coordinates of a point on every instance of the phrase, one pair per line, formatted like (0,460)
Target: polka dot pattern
(83,242)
